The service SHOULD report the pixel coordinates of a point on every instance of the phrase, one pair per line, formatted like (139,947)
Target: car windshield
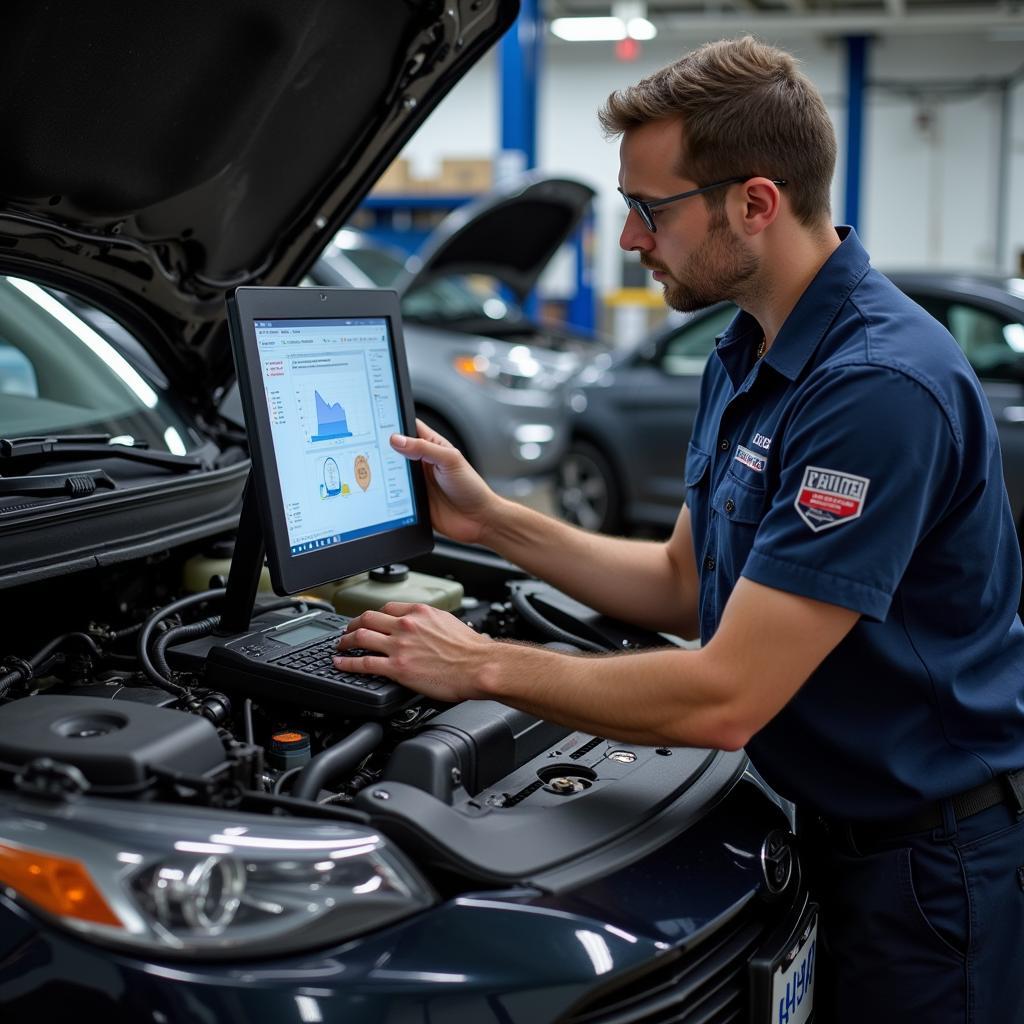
(457,298)
(453,298)
(63,372)
(381,267)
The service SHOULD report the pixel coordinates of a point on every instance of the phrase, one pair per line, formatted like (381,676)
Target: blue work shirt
(858,464)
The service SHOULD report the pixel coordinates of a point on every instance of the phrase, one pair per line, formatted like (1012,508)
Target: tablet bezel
(290,573)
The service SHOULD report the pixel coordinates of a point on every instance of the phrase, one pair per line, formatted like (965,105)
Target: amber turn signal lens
(56,884)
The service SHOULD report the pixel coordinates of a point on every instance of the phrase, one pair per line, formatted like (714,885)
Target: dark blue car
(634,411)
(170,851)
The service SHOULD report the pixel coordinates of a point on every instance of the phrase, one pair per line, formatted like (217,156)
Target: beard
(718,269)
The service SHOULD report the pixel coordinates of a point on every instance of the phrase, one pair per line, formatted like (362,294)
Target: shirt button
(723,445)
(709,563)
(730,506)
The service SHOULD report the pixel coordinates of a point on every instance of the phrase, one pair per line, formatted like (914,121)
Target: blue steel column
(519,58)
(856,67)
(519,61)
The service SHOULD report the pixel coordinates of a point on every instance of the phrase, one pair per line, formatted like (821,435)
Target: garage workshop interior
(246,247)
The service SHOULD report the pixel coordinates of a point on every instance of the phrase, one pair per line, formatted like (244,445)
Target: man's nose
(635,236)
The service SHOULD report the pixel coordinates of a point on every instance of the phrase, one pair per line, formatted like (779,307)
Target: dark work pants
(923,929)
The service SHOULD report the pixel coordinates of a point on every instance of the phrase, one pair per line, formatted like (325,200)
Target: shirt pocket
(741,502)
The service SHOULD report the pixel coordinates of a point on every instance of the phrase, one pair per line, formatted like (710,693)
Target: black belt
(1006,789)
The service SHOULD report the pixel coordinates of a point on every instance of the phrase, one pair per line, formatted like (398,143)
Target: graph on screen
(333,405)
(331,421)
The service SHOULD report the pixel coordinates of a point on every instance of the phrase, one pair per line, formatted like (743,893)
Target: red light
(627,49)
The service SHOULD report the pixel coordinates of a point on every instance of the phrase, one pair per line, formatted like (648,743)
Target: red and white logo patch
(829,498)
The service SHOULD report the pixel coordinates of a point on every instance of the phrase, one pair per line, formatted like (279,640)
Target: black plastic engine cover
(110,743)
(480,739)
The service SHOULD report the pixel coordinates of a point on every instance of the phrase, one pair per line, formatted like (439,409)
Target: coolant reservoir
(199,569)
(395,582)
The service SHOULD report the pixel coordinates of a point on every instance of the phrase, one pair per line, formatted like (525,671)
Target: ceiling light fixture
(640,28)
(628,21)
(587,30)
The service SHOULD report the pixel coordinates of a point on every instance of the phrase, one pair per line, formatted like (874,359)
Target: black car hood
(156,156)
(510,234)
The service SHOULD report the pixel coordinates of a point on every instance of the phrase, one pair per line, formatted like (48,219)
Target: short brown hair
(745,109)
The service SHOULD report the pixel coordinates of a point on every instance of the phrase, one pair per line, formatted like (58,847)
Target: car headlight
(518,369)
(202,883)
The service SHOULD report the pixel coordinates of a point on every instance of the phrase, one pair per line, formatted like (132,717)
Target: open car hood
(158,156)
(510,234)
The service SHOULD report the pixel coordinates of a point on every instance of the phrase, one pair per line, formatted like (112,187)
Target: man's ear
(760,202)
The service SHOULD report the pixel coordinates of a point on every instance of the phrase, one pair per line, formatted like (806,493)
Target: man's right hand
(461,503)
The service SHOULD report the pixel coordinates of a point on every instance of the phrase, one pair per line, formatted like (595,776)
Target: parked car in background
(634,412)
(483,373)
(174,845)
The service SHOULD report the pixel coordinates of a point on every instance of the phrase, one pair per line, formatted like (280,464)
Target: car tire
(587,490)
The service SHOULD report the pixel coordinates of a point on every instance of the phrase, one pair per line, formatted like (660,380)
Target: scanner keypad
(316,660)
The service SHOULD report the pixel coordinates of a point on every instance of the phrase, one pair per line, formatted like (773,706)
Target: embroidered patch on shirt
(829,498)
(761,441)
(755,460)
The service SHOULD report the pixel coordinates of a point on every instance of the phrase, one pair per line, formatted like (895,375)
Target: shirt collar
(810,318)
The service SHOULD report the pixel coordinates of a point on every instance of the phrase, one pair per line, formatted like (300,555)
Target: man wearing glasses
(846,554)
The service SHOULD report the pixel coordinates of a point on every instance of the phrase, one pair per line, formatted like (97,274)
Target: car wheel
(588,492)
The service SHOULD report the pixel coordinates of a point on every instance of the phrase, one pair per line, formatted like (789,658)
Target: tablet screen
(332,404)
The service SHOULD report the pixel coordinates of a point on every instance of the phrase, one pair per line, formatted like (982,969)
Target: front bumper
(693,912)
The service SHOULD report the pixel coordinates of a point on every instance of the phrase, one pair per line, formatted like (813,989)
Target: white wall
(930,163)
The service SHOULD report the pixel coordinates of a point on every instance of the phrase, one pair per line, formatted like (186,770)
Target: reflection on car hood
(156,156)
(511,233)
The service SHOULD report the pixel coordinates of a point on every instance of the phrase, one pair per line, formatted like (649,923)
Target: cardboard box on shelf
(395,179)
(467,175)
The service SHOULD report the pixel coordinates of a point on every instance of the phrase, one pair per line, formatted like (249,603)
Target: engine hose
(521,603)
(22,670)
(335,761)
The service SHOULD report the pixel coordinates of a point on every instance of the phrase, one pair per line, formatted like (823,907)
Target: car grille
(706,984)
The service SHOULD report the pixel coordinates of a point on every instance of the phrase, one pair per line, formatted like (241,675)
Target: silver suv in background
(482,373)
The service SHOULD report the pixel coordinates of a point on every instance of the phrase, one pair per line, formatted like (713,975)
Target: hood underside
(510,234)
(156,156)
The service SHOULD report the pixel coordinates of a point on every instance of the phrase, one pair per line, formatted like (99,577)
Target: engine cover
(112,744)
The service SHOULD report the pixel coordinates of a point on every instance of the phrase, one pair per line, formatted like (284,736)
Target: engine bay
(95,703)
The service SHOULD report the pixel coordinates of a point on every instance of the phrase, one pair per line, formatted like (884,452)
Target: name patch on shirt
(754,460)
(828,497)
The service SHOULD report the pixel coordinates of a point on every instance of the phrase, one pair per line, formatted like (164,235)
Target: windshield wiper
(91,446)
(74,485)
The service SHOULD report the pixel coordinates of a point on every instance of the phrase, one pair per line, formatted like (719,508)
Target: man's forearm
(632,580)
(666,697)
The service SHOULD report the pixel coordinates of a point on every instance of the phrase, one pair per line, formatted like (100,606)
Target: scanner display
(332,401)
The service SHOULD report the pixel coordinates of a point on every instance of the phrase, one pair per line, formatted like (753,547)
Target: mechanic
(846,554)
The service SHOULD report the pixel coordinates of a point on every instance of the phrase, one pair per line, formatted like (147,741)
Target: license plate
(793,980)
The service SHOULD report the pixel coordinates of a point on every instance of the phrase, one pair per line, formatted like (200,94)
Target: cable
(150,625)
(175,633)
(334,761)
(155,665)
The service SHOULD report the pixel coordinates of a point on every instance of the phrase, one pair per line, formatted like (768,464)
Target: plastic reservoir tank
(359,593)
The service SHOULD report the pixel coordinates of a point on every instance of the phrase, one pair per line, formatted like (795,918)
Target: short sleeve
(869,461)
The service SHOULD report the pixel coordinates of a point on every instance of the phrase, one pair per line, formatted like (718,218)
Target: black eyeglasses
(644,206)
